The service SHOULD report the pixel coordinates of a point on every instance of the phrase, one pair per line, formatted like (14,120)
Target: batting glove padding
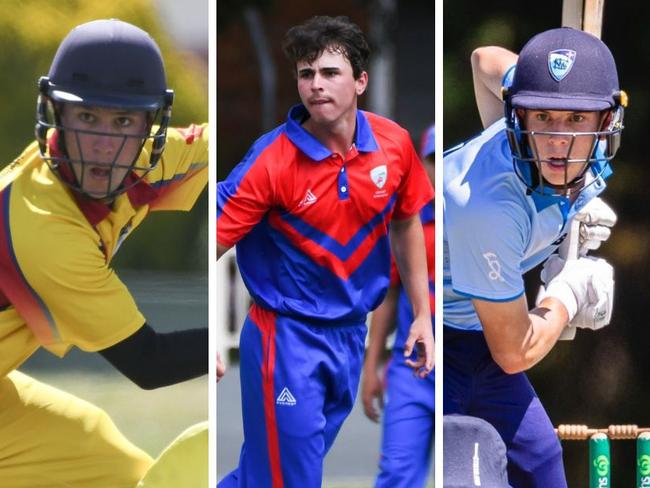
(596,220)
(585,286)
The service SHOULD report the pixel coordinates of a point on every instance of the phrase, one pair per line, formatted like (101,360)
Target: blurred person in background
(408,402)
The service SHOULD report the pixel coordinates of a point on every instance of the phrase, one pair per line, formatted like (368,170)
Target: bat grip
(568,251)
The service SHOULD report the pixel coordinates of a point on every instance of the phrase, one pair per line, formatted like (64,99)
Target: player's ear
(361,83)
(605,119)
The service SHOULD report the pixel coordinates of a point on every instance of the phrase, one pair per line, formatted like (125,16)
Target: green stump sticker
(643,460)
(599,462)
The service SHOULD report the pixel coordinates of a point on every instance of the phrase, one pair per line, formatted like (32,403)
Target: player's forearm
(382,323)
(153,360)
(407,239)
(489,65)
(546,323)
(517,338)
(537,338)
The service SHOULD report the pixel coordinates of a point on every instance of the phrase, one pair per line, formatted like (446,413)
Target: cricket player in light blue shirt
(510,196)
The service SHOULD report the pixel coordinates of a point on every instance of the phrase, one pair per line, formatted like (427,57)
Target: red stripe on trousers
(265,321)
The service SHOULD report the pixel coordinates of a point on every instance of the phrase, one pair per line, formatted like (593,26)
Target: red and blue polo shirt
(311,226)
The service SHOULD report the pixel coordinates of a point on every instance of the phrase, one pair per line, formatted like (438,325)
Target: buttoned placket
(343,182)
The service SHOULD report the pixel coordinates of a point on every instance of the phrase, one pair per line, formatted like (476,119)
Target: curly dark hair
(307,41)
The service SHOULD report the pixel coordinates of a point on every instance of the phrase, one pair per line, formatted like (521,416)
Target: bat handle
(569,250)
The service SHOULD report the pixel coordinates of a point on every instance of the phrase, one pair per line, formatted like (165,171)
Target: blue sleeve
(487,241)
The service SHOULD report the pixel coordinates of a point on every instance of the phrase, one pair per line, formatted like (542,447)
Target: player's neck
(336,136)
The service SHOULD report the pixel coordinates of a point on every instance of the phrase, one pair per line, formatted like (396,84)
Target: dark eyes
(308,74)
(86,117)
(574,118)
(120,121)
(124,121)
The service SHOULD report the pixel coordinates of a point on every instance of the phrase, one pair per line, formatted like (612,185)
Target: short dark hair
(307,41)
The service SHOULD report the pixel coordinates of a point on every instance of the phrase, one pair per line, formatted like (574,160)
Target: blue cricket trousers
(475,385)
(298,383)
(408,427)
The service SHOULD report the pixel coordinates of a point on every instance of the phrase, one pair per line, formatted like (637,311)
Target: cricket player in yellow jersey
(103,159)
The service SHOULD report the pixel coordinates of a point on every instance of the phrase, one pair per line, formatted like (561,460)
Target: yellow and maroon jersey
(57,287)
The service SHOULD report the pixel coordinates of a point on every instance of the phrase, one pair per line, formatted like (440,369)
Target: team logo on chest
(560,63)
(378,175)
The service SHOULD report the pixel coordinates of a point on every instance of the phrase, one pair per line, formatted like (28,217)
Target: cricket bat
(586,15)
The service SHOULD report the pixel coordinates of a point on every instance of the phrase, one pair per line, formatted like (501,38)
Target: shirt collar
(594,186)
(364,140)
(95,210)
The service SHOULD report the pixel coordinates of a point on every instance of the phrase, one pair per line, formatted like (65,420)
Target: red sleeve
(242,200)
(415,189)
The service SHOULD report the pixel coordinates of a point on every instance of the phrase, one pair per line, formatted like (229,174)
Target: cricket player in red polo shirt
(309,209)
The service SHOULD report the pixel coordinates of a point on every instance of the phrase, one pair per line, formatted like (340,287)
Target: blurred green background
(600,378)
(30,32)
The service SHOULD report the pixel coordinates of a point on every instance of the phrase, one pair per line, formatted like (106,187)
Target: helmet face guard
(103,64)
(564,70)
(528,163)
(75,172)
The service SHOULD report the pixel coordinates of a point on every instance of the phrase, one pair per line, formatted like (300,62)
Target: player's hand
(597,312)
(221,368)
(596,220)
(421,338)
(586,288)
(372,393)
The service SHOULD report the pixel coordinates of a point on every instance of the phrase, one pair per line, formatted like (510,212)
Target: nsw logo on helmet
(560,63)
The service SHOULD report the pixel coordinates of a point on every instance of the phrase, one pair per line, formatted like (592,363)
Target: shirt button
(343,189)
(342,170)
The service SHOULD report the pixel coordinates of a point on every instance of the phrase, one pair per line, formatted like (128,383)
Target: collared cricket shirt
(495,229)
(311,226)
(57,287)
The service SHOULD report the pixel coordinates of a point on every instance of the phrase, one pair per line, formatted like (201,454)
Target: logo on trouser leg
(285,398)
(476,468)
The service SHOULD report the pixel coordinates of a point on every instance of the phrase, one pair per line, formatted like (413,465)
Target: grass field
(150,419)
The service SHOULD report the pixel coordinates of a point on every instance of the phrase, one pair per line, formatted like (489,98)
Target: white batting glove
(585,286)
(596,220)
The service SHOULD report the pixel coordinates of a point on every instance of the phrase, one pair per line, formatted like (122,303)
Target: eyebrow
(324,68)
(116,111)
(568,112)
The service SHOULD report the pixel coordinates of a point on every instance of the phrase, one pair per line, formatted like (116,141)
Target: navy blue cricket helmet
(109,64)
(565,70)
